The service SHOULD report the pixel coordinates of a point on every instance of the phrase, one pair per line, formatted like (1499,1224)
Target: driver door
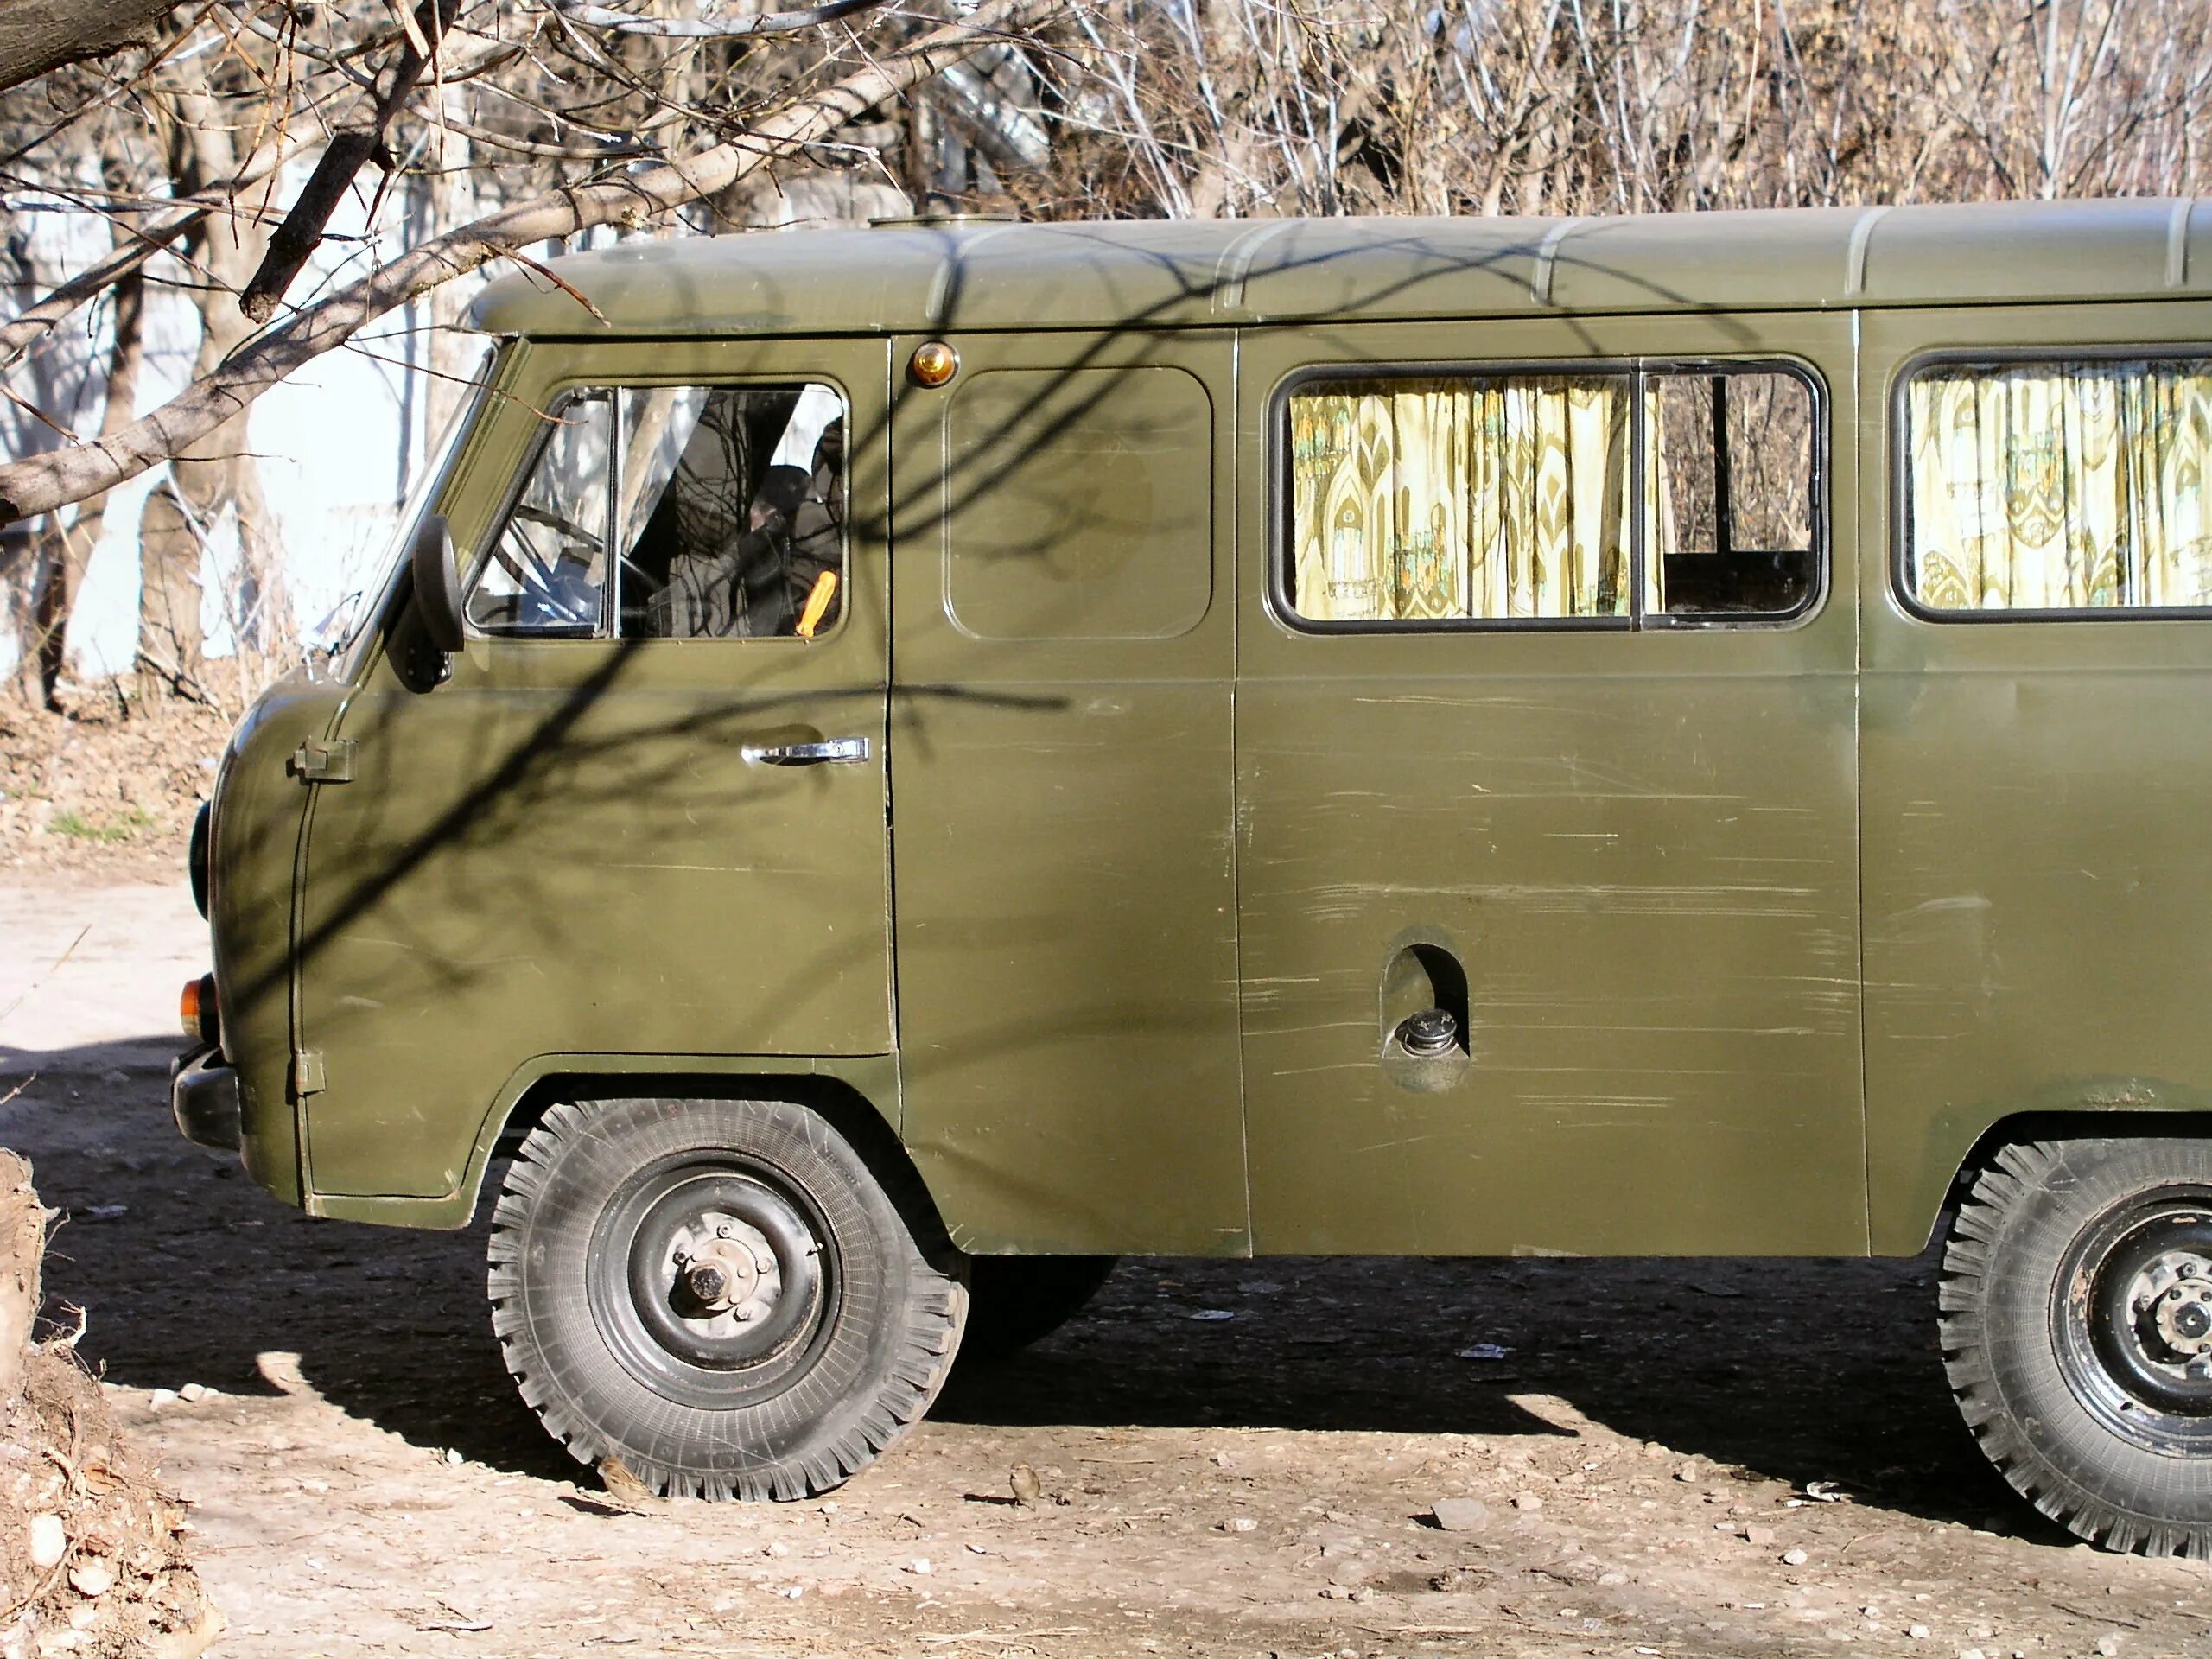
(642,815)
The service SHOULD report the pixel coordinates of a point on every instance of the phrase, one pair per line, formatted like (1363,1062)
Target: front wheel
(718,1292)
(2076,1323)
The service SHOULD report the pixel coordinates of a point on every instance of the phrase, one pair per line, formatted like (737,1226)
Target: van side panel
(1640,848)
(1063,794)
(2038,831)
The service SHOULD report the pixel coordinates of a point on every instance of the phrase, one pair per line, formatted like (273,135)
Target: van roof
(924,277)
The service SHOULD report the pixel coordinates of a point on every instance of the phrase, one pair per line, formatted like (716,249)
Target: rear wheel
(720,1293)
(2077,1319)
(1014,1300)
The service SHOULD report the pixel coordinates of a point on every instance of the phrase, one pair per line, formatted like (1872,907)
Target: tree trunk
(219,473)
(170,645)
(454,352)
(69,550)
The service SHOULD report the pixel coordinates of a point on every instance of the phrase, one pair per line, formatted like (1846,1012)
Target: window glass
(1731,494)
(739,514)
(728,504)
(1511,498)
(546,573)
(2059,486)
(1459,499)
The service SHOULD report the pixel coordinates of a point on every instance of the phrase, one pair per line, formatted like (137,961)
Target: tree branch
(350,148)
(36,35)
(41,483)
(31,325)
(766,23)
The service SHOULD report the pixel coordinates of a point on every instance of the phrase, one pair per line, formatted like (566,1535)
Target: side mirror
(437,582)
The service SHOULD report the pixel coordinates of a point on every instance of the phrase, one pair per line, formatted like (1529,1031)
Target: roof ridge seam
(1854,255)
(1540,279)
(1236,264)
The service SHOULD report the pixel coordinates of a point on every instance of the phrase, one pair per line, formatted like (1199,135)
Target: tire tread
(2017,1176)
(929,1323)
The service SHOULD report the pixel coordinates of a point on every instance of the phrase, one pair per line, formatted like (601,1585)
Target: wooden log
(23,1246)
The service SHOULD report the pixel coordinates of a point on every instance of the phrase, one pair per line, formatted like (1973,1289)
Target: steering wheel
(536,578)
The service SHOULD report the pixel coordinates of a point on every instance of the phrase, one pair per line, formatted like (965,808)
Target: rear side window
(1637,498)
(2058,486)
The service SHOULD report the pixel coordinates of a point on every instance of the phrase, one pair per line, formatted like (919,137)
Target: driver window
(727,503)
(546,575)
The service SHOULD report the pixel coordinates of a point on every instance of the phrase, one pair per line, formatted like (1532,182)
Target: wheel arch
(1926,1224)
(857,1096)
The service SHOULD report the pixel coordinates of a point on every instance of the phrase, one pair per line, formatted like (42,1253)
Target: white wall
(337,449)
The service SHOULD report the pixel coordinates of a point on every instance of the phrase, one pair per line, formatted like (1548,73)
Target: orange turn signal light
(934,363)
(195,1008)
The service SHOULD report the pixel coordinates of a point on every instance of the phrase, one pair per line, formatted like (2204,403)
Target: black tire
(846,1331)
(1014,1300)
(2077,1291)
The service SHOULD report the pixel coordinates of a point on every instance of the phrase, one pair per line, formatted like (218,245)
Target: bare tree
(1587,107)
(555,119)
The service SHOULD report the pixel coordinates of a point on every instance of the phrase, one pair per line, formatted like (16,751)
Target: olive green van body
(1763,929)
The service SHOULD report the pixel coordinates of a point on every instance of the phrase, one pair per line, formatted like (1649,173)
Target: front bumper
(204,1097)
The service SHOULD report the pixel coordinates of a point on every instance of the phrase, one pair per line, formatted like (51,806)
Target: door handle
(840,750)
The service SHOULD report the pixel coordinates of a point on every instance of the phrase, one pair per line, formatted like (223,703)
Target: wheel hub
(2134,1322)
(2172,1297)
(725,1266)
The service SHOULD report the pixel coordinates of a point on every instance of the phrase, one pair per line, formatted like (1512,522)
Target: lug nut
(723,1229)
(745,1315)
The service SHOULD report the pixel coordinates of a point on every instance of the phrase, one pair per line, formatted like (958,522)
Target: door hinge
(307,1072)
(317,762)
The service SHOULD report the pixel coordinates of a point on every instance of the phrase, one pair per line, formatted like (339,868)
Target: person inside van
(743,535)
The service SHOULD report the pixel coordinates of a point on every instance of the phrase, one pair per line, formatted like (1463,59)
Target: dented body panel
(1761,929)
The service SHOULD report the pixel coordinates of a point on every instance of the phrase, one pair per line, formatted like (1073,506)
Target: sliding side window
(2059,487)
(676,513)
(1639,498)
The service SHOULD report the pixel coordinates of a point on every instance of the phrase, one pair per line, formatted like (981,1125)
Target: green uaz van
(902,764)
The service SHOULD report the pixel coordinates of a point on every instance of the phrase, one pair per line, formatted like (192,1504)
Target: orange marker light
(817,604)
(195,1008)
(934,363)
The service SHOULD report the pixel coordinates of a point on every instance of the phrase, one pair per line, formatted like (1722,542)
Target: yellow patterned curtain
(2060,487)
(1461,498)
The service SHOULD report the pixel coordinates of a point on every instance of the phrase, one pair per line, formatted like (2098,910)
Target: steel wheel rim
(2138,1359)
(688,1352)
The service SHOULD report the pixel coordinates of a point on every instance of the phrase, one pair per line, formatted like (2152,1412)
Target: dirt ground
(107,793)
(1703,1458)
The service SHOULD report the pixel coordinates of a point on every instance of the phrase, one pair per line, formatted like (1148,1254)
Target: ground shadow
(1800,1371)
